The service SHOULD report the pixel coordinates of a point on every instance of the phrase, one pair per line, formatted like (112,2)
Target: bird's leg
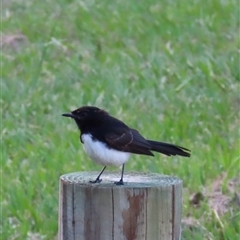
(98,180)
(121,180)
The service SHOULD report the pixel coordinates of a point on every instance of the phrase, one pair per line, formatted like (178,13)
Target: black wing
(128,140)
(123,138)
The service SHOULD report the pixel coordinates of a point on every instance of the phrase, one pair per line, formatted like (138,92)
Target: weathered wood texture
(146,207)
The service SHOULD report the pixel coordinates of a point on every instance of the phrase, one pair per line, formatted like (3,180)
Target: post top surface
(131,179)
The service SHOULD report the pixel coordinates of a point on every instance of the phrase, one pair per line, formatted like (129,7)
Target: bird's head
(86,116)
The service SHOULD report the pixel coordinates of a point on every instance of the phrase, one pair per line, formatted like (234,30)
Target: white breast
(101,154)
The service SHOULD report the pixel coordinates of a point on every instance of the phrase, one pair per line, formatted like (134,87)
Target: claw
(119,183)
(96,181)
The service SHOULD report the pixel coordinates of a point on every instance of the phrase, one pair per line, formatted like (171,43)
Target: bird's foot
(119,183)
(96,181)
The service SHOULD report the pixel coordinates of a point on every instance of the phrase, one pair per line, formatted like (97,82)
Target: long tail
(169,149)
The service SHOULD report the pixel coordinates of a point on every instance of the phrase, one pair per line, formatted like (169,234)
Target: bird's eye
(83,114)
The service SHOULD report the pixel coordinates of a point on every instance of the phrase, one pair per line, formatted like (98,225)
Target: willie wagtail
(110,142)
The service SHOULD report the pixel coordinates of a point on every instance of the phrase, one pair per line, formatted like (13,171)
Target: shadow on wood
(146,207)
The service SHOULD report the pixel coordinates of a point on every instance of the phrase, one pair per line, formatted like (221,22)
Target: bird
(110,142)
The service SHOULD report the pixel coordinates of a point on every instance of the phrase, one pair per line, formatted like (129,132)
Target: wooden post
(146,207)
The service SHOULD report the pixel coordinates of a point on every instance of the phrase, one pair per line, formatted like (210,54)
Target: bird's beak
(68,115)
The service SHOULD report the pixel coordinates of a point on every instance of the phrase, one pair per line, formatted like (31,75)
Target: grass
(169,68)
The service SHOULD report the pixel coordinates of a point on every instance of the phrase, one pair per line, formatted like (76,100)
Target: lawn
(167,68)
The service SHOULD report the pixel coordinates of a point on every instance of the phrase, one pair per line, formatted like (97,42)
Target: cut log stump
(146,207)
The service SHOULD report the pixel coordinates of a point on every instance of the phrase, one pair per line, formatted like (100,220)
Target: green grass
(168,68)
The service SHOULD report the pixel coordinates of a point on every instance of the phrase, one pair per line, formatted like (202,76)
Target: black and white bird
(110,142)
